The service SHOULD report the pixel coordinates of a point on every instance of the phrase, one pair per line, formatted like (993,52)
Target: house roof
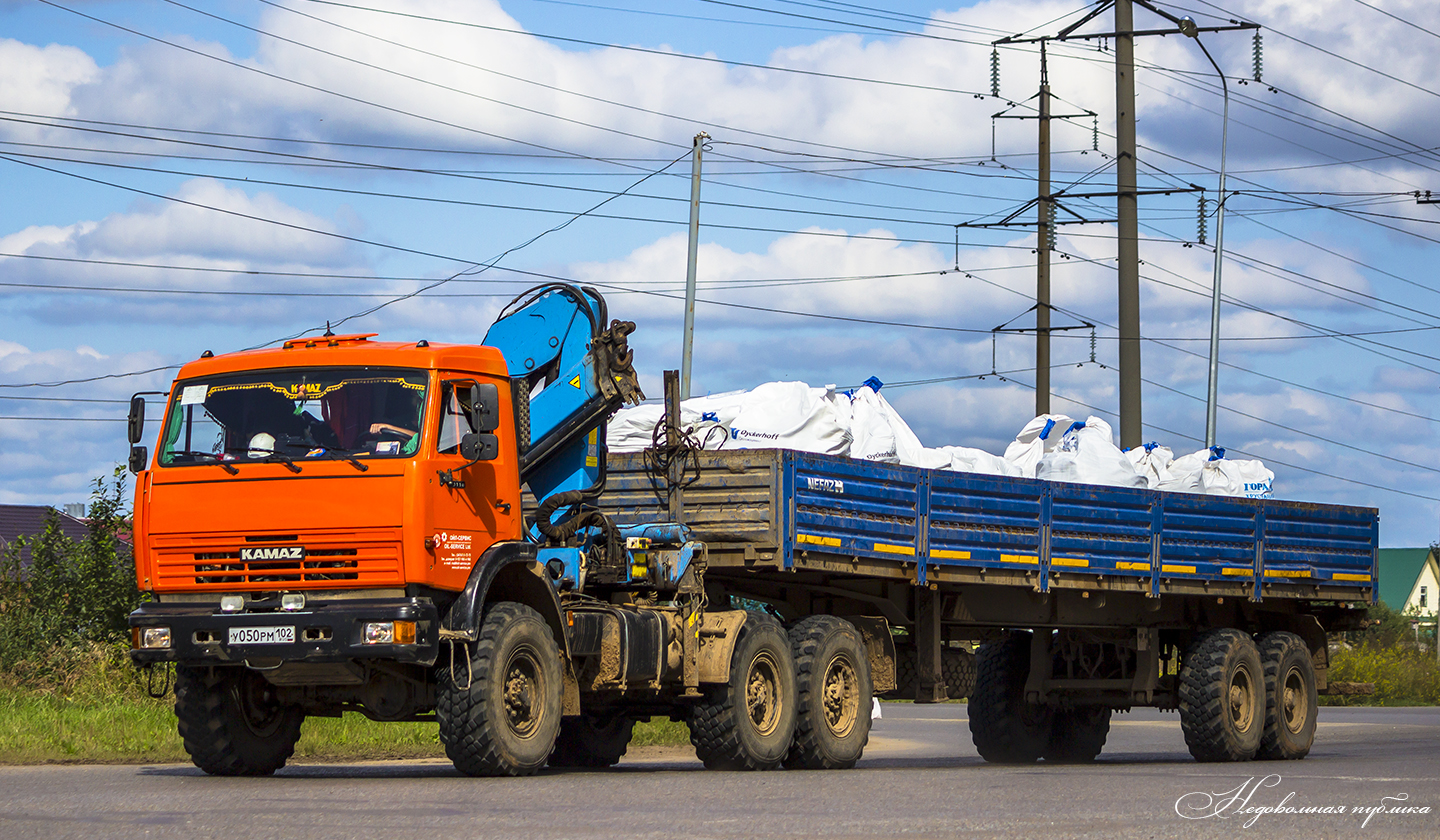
(1399,568)
(29,520)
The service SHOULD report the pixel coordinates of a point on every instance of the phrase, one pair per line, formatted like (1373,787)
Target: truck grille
(213,562)
(323,564)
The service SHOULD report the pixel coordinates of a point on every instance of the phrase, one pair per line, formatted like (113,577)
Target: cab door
(473,505)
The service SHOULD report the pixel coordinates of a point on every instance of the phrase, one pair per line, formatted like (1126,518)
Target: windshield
(295,414)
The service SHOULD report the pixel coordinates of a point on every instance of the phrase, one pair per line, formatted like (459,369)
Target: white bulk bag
(879,433)
(1209,471)
(966,459)
(1087,454)
(1038,437)
(788,415)
(1152,461)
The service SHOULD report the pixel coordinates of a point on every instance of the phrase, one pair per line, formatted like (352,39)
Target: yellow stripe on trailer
(895,549)
(1183,570)
(832,542)
(1228,572)
(946,554)
(1348,576)
(1027,559)
(1078,562)
(1130,566)
(1287,573)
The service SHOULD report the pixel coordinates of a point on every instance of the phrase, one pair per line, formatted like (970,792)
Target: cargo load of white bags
(862,424)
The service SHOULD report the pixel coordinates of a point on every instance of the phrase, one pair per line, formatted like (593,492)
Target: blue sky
(320,158)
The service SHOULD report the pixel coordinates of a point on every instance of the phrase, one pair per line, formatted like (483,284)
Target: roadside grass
(88,705)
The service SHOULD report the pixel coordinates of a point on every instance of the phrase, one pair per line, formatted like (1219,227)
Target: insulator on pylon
(1095,132)
(1200,221)
(1259,52)
(994,72)
(1050,225)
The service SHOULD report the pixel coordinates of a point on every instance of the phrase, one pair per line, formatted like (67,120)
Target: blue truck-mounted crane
(417,531)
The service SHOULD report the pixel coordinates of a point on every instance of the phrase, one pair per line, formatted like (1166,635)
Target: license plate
(262,635)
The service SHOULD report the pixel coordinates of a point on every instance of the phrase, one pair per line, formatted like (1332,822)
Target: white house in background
(1410,580)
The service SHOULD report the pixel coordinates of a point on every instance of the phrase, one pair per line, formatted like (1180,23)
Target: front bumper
(324,632)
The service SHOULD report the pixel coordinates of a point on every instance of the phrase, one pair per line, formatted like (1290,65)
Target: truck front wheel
(748,724)
(500,716)
(1222,696)
(1006,729)
(231,723)
(833,689)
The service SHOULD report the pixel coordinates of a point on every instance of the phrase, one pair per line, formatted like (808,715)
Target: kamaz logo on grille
(284,552)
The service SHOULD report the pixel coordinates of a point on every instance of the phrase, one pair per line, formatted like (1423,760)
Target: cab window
(455,402)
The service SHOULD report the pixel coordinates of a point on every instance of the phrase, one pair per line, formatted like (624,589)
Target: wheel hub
(762,695)
(1242,700)
(840,697)
(522,686)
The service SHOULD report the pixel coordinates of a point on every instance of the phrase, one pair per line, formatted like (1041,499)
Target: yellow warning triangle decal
(575,381)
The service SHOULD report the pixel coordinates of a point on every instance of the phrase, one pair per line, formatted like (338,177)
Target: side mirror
(139,458)
(485,408)
(136,422)
(479,446)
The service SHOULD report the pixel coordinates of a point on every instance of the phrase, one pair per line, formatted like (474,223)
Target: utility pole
(1126,192)
(1042,251)
(686,350)
(1128,219)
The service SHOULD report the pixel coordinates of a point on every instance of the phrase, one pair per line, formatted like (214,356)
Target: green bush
(1390,653)
(73,598)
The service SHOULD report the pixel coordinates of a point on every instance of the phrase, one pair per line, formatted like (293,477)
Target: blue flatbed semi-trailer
(1087,598)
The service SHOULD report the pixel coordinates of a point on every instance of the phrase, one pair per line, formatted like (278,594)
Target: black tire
(748,724)
(1006,729)
(231,723)
(958,668)
(590,741)
(907,675)
(506,721)
(833,694)
(1291,704)
(1078,734)
(1222,696)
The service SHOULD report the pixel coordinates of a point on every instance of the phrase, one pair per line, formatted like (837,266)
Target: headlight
(390,633)
(150,638)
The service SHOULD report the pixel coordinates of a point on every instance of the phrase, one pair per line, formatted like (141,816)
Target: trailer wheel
(958,668)
(1006,729)
(1291,706)
(231,723)
(1222,696)
(906,675)
(833,691)
(506,721)
(590,741)
(748,724)
(1078,734)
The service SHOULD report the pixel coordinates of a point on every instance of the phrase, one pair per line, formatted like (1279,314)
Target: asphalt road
(921,778)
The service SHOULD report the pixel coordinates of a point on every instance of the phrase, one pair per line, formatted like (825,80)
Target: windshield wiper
(284,459)
(335,455)
(220,462)
(270,458)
